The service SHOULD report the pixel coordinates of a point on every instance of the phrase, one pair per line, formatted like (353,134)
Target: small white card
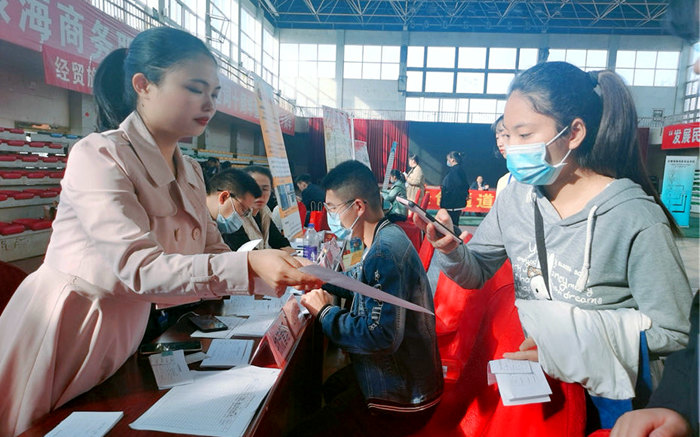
(170,369)
(193,358)
(86,423)
(519,381)
(228,353)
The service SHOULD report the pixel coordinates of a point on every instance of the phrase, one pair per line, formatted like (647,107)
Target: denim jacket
(394,350)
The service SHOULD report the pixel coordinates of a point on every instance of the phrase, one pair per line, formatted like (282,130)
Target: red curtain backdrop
(378,134)
(317,169)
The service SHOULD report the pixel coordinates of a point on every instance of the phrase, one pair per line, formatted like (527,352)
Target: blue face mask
(528,162)
(230,224)
(337,227)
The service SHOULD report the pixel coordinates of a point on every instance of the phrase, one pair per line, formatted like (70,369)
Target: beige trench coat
(126,234)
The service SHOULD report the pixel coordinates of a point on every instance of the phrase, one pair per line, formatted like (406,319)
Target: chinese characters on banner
(74,37)
(337,136)
(479,200)
(73,26)
(681,136)
(277,159)
(67,70)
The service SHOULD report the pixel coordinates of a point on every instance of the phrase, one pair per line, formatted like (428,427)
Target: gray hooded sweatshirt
(617,252)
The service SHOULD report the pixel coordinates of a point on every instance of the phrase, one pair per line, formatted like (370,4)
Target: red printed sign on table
(70,25)
(681,136)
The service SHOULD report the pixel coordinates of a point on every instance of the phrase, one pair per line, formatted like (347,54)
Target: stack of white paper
(86,423)
(244,305)
(218,404)
(519,382)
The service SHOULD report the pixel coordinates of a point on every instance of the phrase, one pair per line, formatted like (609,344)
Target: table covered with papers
(260,398)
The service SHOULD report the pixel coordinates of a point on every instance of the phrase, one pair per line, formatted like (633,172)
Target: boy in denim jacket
(395,380)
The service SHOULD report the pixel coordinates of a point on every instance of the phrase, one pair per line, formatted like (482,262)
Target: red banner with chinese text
(73,26)
(67,70)
(479,200)
(681,136)
(74,37)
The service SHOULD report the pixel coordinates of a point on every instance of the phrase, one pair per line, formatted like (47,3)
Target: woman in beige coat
(414,179)
(132,229)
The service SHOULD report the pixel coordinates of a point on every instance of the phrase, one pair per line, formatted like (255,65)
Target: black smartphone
(156,348)
(428,218)
(208,323)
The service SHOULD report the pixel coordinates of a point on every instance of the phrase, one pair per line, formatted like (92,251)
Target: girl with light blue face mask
(528,162)
(586,234)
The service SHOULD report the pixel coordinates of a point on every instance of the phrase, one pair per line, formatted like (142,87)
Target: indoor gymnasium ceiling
(637,17)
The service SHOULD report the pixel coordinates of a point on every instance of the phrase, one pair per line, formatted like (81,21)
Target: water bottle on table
(310,243)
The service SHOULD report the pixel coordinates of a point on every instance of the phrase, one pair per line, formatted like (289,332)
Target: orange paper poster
(277,159)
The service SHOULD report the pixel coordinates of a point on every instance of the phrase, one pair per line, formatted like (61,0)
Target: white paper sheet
(519,382)
(244,305)
(231,321)
(228,353)
(250,245)
(348,283)
(255,326)
(170,369)
(221,404)
(86,423)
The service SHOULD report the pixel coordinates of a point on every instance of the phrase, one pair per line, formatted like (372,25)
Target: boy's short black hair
(236,182)
(352,179)
(304,178)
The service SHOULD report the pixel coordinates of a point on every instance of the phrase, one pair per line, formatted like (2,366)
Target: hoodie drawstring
(583,277)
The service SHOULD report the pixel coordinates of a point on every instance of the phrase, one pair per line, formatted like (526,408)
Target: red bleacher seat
(28,158)
(3,197)
(8,158)
(8,174)
(49,158)
(15,131)
(55,145)
(33,223)
(11,228)
(15,143)
(37,143)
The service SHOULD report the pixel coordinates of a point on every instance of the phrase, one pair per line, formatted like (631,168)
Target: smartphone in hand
(428,218)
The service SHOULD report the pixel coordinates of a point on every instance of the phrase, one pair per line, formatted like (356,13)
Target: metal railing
(141,17)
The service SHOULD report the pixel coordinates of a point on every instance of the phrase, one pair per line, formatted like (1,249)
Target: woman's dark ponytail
(617,135)
(113,102)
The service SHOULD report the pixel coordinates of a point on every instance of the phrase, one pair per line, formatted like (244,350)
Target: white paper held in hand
(348,283)
(519,381)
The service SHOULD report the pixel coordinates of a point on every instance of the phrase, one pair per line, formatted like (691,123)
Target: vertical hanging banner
(337,136)
(389,166)
(677,187)
(359,153)
(277,159)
